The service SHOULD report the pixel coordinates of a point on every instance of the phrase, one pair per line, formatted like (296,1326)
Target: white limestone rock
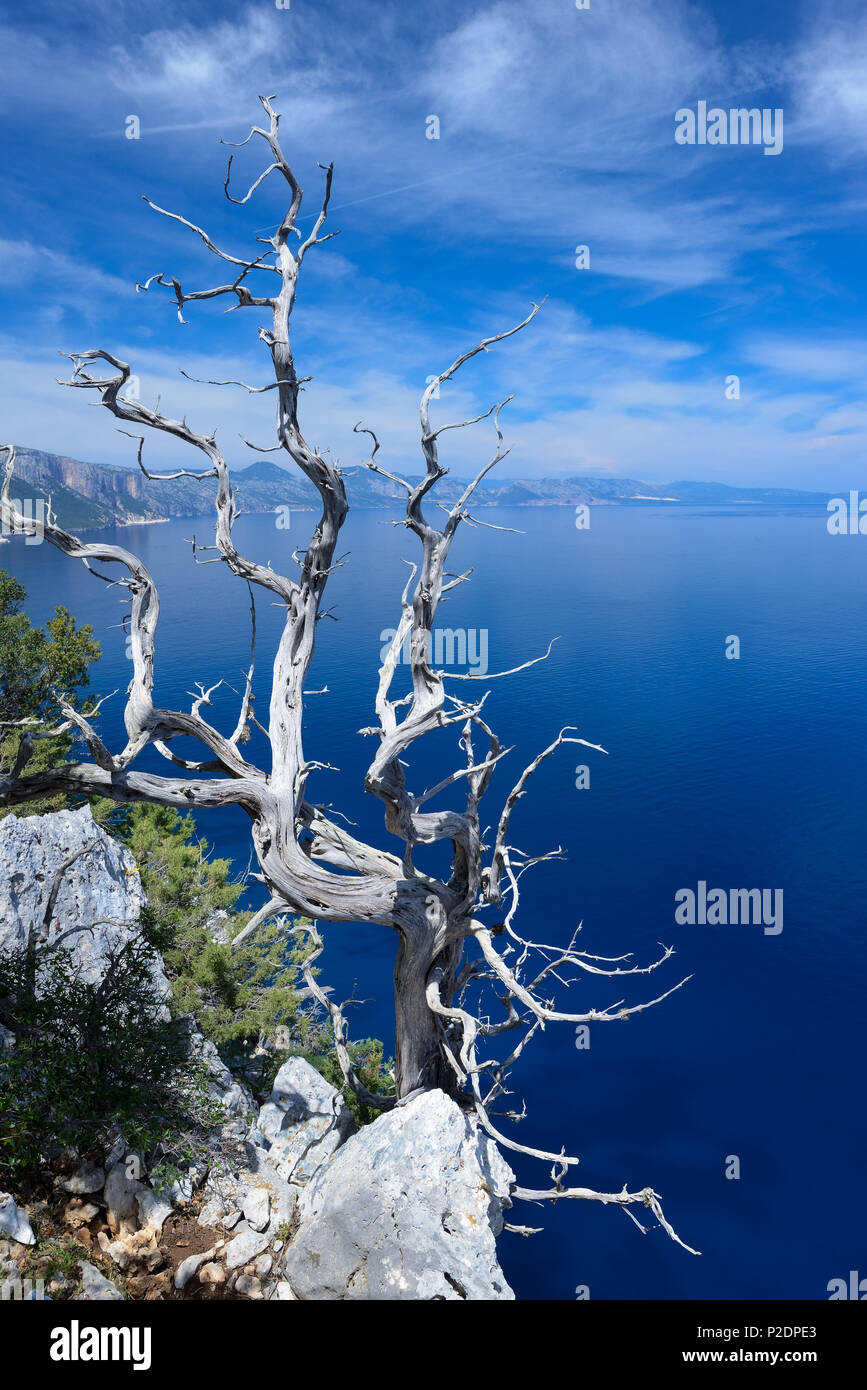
(103,882)
(305,1121)
(190,1266)
(14,1221)
(95,1287)
(257,1208)
(409,1208)
(245,1246)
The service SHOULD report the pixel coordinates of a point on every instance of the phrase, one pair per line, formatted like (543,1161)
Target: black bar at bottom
(173,1338)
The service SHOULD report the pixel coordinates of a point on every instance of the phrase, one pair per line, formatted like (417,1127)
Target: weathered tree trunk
(419,1060)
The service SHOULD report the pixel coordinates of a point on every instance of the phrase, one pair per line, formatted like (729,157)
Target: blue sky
(556,129)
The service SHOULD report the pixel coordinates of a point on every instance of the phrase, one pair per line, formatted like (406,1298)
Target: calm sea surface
(739,773)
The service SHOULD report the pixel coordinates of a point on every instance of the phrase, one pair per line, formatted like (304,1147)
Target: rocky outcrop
(98,890)
(98,887)
(298,1128)
(95,494)
(293,1202)
(409,1208)
(305,1121)
(234,1095)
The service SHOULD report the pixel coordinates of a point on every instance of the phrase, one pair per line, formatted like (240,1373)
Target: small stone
(248,1286)
(121,1192)
(188,1268)
(78,1213)
(95,1287)
(213,1273)
(88,1177)
(153,1209)
(246,1245)
(283,1292)
(263,1265)
(14,1221)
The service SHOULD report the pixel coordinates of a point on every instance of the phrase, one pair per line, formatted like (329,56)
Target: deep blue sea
(740,773)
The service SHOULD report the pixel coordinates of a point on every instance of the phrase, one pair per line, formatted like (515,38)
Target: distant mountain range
(86,495)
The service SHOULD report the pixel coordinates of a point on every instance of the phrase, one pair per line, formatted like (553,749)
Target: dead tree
(458,980)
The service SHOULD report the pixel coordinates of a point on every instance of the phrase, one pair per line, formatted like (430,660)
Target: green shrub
(34,663)
(91,1056)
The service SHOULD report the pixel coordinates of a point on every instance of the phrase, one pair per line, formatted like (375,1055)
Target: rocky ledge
(293,1202)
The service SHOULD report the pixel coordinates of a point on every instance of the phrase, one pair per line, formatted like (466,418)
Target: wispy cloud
(555,130)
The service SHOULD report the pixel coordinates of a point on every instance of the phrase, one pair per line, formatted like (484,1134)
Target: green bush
(90,1056)
(34,663)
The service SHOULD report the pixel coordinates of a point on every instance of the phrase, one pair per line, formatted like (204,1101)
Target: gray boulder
(305,1121)
(88,1177)
(245,1246)
(100,885)
(408,1208)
